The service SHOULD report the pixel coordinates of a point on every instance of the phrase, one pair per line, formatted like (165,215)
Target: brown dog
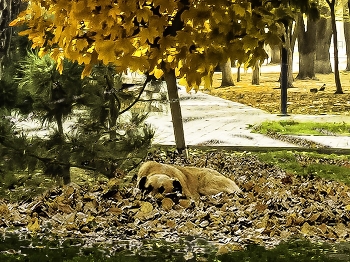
(190,181)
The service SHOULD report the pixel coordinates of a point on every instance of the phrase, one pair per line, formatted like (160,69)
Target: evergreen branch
(148,79)
(112,91)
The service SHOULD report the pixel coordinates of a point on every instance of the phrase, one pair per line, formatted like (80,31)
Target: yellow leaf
(81,44)
(87,70)
(158,73)
(208,81)
(90,218)
(170,58)
(146,207)
(183,81)
(42,52)
(167,203)
(105,50)
(239,10)
(59,66)
(33,225)
(306,229)
(347,207)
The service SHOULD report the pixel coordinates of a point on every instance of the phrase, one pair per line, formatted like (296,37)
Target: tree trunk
(227,78)
(306,47)
(175,109)
(346,22)
(339,89)
(239,73)
(288,45)
(275,54)
(113,105)
(66,175)
(284,80)
(256,74)
(5,31)
(323,44)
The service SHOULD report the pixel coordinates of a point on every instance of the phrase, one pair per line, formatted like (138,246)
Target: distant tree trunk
(339,90)
(306,47)
(227,78)
(175,109)
(5,31)
(256,74)
(113,106)
(238,73)
(275,54)
(323,44)
(289,43)
(286,76)
(346,22)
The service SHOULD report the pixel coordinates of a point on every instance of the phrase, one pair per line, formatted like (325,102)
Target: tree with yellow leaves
(173,39)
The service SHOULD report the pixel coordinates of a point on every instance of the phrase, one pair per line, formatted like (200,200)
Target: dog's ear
(177,186)
(161,190)
(142,183)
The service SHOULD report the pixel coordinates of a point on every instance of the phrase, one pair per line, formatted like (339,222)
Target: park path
(210,120)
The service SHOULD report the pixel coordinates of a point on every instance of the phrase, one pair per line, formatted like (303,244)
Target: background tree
(100,141)
(339,90)
(256,74)
(275,54)
(324,37)
(226,78)
(306,34)
(346,21)
(285,11)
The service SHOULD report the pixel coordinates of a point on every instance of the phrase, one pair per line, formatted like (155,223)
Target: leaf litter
(275,206)
(266,96)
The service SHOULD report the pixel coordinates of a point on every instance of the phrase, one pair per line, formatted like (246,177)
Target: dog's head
(159,183)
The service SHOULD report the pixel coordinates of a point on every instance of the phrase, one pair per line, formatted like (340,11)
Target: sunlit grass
(329,167)
(303,128)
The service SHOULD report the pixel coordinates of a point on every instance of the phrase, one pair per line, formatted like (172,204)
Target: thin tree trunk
(175,109)
(59,122)
(346,21)
(288,45)
(239,73)
(339,89)
(306,47)
(275,54)
(5,30)
(66,174)
(227,78)
(256,74)
(324,37)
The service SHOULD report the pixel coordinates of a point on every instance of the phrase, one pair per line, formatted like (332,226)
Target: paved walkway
(210,120)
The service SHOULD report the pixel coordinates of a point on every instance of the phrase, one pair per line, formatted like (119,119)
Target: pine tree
(100,140)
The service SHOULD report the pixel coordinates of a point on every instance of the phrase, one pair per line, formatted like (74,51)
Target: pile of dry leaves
(266,96)
(274,206)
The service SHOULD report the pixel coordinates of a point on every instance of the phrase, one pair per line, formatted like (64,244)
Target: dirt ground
(266,96)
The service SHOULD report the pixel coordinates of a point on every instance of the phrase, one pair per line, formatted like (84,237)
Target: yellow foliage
(158,73)
(142,36)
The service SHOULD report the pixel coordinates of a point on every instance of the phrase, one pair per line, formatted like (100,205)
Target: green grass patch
(291,127)
(331,167)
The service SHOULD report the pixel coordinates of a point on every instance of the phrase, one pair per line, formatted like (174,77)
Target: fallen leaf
(146,207)
(167,204)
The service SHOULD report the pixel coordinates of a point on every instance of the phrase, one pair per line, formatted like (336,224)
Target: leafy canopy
(190,36)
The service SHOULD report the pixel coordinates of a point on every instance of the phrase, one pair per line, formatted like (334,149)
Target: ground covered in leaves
(274,206)
(266,96)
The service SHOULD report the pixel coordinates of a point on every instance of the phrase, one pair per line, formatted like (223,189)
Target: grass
(330,167)
(303,128)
